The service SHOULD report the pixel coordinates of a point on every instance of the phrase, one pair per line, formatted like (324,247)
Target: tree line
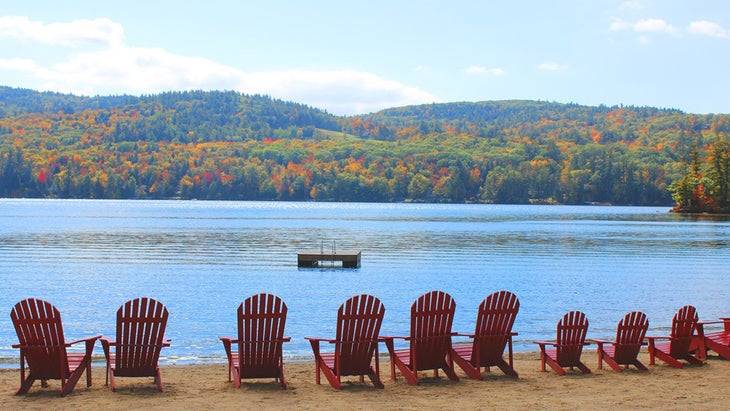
(226,145)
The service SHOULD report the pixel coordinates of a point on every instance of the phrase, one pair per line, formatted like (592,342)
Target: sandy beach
(205,387)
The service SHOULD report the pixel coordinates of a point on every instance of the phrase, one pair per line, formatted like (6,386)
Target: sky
(355,57)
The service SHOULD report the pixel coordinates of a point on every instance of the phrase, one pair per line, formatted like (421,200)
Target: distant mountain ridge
(228,145)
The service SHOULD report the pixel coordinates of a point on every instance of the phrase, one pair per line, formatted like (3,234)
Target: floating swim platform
(312,258)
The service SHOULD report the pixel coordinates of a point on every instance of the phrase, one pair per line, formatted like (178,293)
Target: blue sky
(352,57)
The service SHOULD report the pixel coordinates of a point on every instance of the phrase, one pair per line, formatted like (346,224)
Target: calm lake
(201,259)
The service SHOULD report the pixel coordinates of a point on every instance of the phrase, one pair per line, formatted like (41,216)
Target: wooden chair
(140,337)
(680,343)
(717,341)
(492,334)
(261,321)
(568,347)
(43,347)
(356,343)
(624,351)
(430,340)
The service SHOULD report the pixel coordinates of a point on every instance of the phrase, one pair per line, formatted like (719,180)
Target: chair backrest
(571,336)
(358,327)
(261,321)
(495,318)
(629,336)
(40,334)
(684,324)
(141,324)
(431,317)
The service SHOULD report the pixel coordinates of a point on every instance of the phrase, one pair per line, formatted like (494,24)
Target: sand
(205,387)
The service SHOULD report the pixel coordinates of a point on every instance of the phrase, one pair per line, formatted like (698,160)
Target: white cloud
(110,67)
(552,66)
(699,27)
(495,71)
(630,5)
(619,25)
(654,25)
(339,91)
(101,32)
(708,28)
(642,26)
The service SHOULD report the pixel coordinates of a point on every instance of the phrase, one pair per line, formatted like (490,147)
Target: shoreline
(206,386)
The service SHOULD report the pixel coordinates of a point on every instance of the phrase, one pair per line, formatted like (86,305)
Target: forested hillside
(226,145)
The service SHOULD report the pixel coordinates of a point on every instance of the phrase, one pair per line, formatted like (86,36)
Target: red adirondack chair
(261,321)
(568,347)
(43,347)
(492,334)
(140,337)
(625,349)
(680,343)
(430,340)
(358,326)
(717,341)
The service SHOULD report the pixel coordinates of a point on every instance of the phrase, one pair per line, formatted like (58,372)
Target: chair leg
(507,369)
(466,366)
(410,375)
(375,378)
(582,367)
(694,360)
(158,380)
(88,373)
(640,366)
(330,375)
(554,365)
(281,376)
(667,359)
(542,360)
(449,371)
(610,361)
(317,376)
(25,384)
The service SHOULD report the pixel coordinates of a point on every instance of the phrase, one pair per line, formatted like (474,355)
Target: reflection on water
(203,258)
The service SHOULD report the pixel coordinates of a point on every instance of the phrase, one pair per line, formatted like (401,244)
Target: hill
(227,145)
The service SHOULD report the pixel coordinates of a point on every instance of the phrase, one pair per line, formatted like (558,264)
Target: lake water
(201,259)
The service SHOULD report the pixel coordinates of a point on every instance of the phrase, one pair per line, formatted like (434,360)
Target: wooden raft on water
(349,258)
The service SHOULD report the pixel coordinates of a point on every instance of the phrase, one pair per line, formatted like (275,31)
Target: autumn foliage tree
(227,145)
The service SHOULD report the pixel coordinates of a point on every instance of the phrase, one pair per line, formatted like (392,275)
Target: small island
(705,186)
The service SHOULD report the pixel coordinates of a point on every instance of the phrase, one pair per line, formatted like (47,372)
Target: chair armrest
(721,321)
(227,344)
(544,343)
(601,342)
(386,338)
(652,339)
(86,340)
(314,342)
(105,344)
(319,339)
(89,343)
